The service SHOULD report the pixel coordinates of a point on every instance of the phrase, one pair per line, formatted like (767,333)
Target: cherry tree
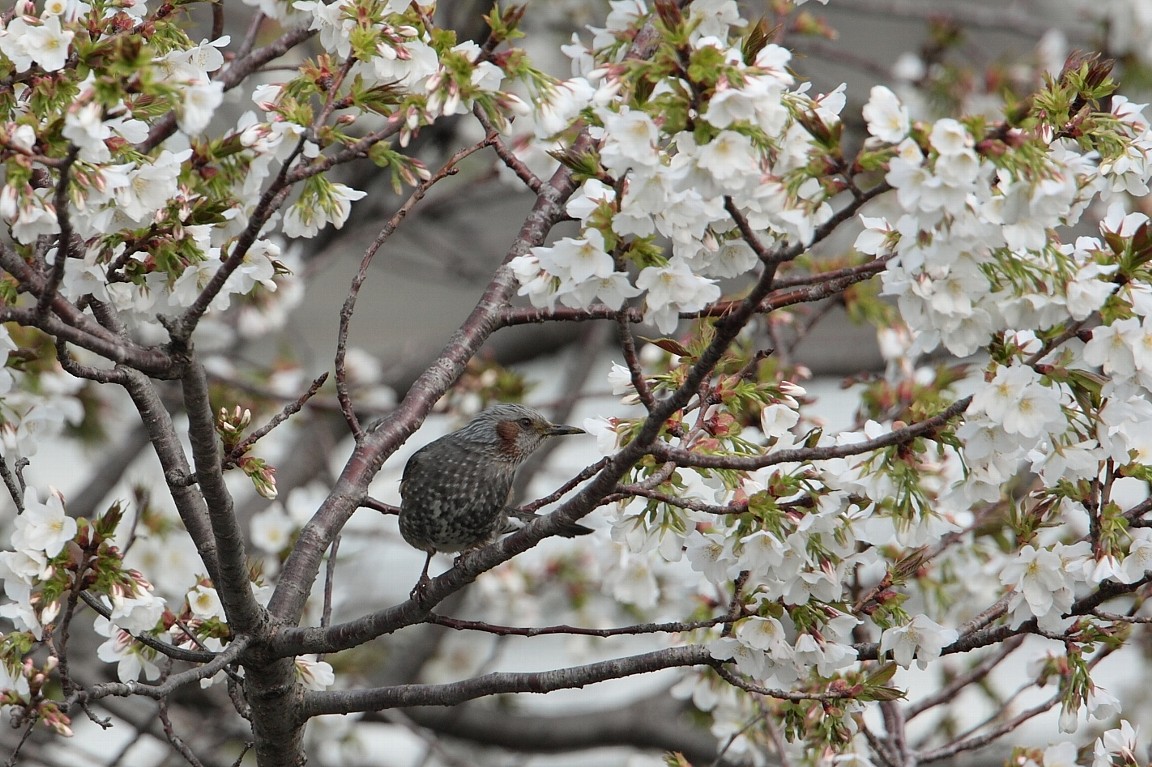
(810,594)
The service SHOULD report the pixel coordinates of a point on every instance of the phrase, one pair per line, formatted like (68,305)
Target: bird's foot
(420,590)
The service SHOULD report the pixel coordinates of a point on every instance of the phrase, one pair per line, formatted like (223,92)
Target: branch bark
(382,439)
(452,693)
(177,472)
(658,723)
(245,616)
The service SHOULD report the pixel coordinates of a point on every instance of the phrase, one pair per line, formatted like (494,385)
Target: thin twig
(243,752)
(448,169)
(758,717)
(1117,618)
(349,152)
(796,696)
(165,649)
(329,581)
(979,741)
(527,631)
(626,491)
(64,239)
(684,457)
(585,473)
(746,231)
(250,36)
(14,481)
(1067,334)
(879,747)
(217,19)
(224,658)
(27,733)
(632,361)
(369,502)
(735,604)
(894,725)
(63,631)
(807,279)
(506,155)
(177,743)
(270,200)
(287,412)
(949,691)
(778,299)
(333,89)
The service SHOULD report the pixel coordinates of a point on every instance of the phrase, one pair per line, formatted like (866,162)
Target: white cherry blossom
(886,117)
(921,638)
(671,289)
(42,527)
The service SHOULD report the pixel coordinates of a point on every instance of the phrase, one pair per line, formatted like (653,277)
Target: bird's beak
(559,430)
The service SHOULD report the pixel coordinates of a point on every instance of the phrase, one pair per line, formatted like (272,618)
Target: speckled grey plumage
(455,490)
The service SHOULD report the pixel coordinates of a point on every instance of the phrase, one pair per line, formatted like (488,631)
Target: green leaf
(884,694)
(669,345)
(754,42)
(882,675)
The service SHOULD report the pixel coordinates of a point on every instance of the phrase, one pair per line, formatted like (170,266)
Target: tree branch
(955,685)
(448,169)
(289,410)
(238,71)
(245,616)
(506,155)
(659,722)
(181,329)
(73,326)
(165,649)
(63,240)
(639,628)
(683,457)
(803,292)
(380,441)
(162,434)
(226,657)
(452,693)
(979,741)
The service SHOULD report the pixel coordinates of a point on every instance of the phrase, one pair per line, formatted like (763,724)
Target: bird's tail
(516,519)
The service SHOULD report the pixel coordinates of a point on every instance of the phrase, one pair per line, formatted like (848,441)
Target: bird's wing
(411,468)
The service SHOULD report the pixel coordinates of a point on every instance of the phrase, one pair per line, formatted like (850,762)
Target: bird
(454,491)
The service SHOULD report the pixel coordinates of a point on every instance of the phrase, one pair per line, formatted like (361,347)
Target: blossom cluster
(112,134)
(664,172)
(972,259)
(832,558)
(970,237)
(159,212)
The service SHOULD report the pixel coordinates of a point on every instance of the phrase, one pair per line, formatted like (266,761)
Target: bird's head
(513,430)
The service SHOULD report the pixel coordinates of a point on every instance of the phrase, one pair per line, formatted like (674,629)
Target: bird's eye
(526,423)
